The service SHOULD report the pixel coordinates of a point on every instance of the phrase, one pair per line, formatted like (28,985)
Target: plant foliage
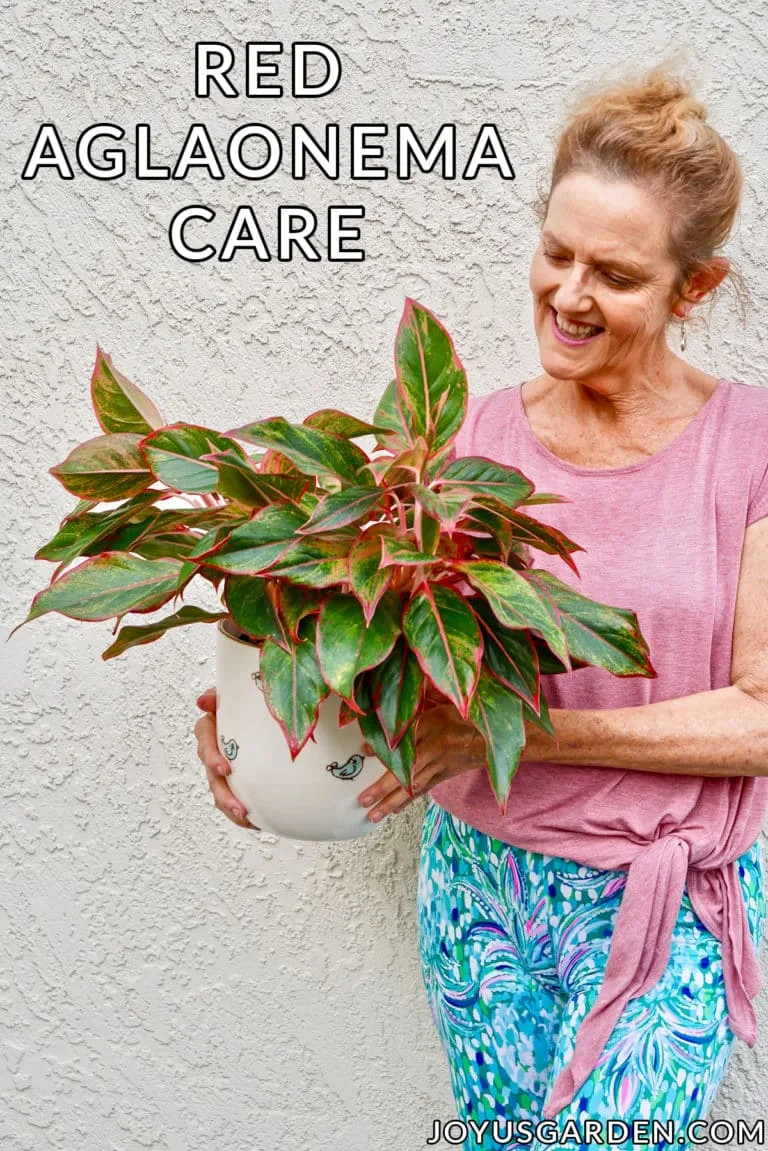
(380,579)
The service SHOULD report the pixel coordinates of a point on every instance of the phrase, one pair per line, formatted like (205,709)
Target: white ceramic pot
(313,797)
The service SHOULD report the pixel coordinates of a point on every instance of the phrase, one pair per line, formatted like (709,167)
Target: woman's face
(602,260)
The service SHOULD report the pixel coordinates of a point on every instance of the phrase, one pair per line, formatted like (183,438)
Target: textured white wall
(168,980)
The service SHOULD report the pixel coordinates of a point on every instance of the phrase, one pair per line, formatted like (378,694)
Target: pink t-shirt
(663,537)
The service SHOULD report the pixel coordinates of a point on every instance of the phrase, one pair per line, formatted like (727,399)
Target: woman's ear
(701,284)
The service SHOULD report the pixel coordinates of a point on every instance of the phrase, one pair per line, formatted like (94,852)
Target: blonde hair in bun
(653,131)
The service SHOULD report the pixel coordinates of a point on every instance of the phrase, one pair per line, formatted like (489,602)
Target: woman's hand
(216,766)
(446,745)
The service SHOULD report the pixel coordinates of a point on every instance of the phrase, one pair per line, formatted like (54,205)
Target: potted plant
(354,588)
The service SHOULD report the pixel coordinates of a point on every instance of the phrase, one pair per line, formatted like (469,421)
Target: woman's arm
(712,733)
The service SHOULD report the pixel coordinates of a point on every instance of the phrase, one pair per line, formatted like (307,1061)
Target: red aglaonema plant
(388,580)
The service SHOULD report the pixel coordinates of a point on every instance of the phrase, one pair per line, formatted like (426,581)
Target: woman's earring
(682,336)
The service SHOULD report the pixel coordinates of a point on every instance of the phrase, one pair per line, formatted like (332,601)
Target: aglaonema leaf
(79,532)
(239,480)
(131,635)
(108,585)
(339,509)
(315,452)
(340,424)
(510,655)
(447,506)
(483,479)
(294,602)
(119,405)
(253,546)
(105,468)
(400,759)
(445,637)
(391,419)
(547,498)
(293,685)
(340,636)
(431,381)
(165,545)
(541,719)
(403,552)
(367,578)
(531,533)
(175,454)
(130,536)
(380,635)
(480,519)
(396,685)
(515,602)
(252,608)
(605,636)
(497,713)
(207,544)
(549,664)
(314,563)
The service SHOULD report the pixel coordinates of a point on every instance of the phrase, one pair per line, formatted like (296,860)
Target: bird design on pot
(229,747)
(348,770)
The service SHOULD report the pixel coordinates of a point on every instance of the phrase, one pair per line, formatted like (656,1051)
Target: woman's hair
(654,132)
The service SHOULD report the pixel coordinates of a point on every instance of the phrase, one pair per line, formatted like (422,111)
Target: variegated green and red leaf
(89,528)
(510,655)
(105,468)
(403,552)
(251,603)
(177,455)
(254,546)
(515,602)
(431,391)
(239,480)
(497,712)
(485,480)
(340,423)
(131,635)
(367,578)
(605,636)
(444,635)
(108,585)
(447,506)
(394,435)
(380,635)
(337,510)
(396,686)
(119,405)
(340,635)
(529,532)
(315,452)
(293,685)
(315,563)
(294,602)
(400,759)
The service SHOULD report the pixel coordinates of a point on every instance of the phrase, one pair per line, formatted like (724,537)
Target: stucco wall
(167,979)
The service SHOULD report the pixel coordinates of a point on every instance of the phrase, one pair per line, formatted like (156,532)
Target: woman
(591,954)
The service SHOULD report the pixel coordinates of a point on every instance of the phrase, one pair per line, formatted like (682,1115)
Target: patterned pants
(513,945)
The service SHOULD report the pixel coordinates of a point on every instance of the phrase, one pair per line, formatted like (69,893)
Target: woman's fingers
(207,746)
(217,768)
(207,699)
(387,794)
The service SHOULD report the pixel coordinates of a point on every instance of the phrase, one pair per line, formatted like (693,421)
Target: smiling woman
(563,943)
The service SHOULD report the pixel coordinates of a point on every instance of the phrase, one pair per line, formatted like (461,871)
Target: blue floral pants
(513,945)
